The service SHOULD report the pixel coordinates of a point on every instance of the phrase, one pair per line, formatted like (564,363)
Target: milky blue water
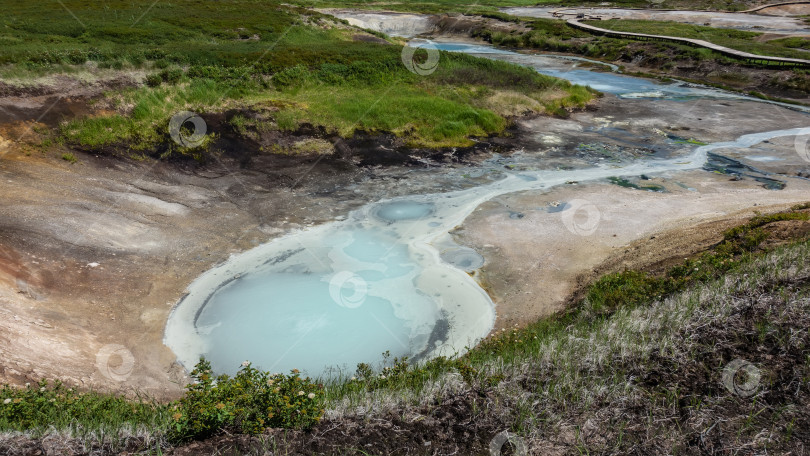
(566,67)
(270,318)
(403,210)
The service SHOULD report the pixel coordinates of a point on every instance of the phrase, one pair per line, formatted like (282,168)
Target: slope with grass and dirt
(287,66)
(707,355)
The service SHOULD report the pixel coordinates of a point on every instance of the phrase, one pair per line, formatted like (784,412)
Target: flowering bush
(248,403)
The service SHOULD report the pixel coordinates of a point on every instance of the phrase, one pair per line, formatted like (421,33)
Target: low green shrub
(171,76)
(293,76)
(247,403)
(154,80)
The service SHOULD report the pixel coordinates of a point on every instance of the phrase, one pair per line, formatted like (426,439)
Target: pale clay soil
(98,252)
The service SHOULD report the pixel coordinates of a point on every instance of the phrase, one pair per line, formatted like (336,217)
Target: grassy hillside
(299,66)
(710,356)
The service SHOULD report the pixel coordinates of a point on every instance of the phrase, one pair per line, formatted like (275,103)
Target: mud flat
(536,262)
(394,24)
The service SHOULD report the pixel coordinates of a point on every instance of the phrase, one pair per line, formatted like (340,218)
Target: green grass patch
(443,109)
(146,123)
(69,157)
(762,220)
(44,406)
(793,42)
(120,33)
(405,111)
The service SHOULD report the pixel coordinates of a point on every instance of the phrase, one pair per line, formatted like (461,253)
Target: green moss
(622,182)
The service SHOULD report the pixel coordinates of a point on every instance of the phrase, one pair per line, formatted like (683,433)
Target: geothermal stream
(388,277)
